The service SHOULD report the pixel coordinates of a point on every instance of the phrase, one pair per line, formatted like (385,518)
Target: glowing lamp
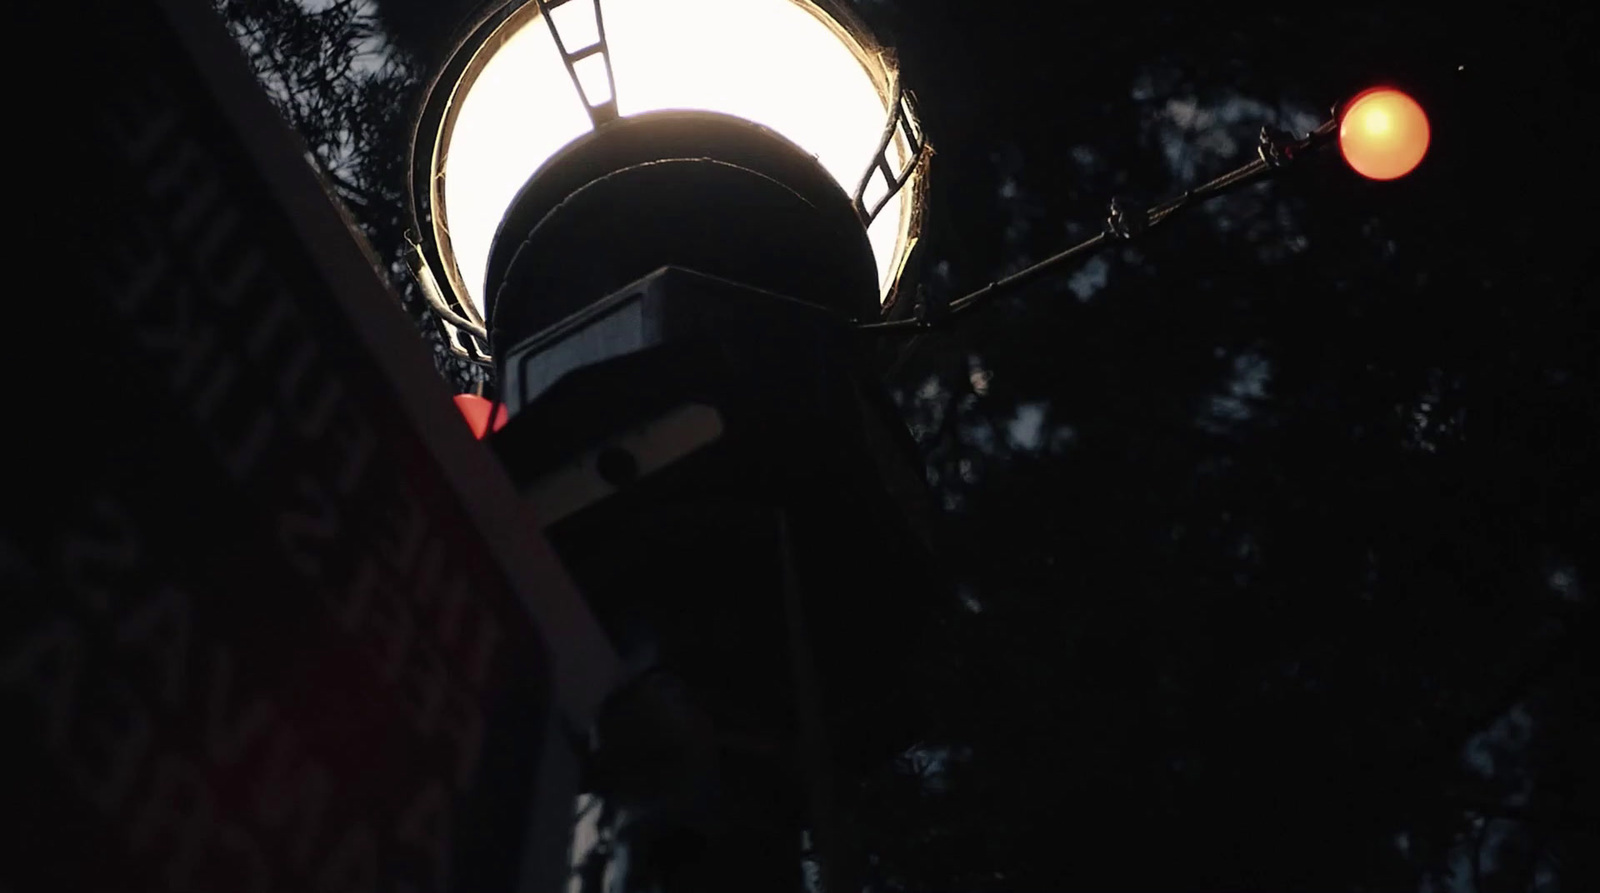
(1383,134)
(560,108)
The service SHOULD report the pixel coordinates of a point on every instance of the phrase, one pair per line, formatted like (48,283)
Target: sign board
(272,619)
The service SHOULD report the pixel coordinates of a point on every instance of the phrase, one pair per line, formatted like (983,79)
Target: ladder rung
(586,52)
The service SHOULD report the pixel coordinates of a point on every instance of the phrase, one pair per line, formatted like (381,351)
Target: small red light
(476,409)
(1383,134)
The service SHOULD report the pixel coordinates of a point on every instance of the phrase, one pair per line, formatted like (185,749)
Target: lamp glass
(1383,134)
(779,63)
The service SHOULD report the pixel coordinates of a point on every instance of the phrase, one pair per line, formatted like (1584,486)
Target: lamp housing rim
(471,49)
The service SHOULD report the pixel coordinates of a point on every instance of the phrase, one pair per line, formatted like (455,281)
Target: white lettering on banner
(300,529)
(46,667)
(309,407)
(102,734)
(116,737)
(159,629)
(104,671)
(290,787)
(181,812)
(280,325)
(227,738)
(95,560)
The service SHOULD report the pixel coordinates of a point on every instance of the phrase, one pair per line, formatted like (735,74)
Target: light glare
(521,110)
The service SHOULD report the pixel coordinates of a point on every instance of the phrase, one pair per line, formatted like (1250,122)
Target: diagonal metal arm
(599,112)
(1276,151)
(903,119)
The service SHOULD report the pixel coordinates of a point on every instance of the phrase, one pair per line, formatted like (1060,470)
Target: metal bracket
(611,466)
(1126,220)
(599,112)
(1276,147)
(902,118)
(1279,148)
(456,321)
(929,310)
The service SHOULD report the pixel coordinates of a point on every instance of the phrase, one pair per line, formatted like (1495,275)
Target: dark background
(1267,534)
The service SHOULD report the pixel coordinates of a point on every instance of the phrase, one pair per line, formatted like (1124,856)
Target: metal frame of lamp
(535,79)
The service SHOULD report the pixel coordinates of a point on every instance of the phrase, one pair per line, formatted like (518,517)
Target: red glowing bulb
(476,410)
(1383,134)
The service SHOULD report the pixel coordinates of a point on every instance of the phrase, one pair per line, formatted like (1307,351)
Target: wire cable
(1276,151)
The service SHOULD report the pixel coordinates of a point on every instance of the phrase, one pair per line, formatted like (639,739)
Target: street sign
(272,618)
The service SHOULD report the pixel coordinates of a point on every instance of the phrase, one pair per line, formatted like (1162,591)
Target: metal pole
(813,732)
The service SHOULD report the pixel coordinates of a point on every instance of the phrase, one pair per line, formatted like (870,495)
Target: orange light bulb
(1383,134)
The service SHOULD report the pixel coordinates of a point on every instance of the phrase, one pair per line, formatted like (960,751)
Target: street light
(668,225)
(662,223)
(546,97)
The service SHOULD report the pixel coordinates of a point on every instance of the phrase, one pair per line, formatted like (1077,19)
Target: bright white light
(521,110)
(775,62)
